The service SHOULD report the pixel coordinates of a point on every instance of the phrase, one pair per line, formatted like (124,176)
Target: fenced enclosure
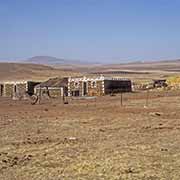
(145,99)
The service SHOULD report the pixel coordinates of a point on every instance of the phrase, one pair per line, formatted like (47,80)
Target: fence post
(63,98)
(40,95)
(147,97)
(121,99)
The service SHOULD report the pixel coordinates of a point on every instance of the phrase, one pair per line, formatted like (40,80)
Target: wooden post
(147,97)
(63,98)
(39,95)
(121,99)
(61,93)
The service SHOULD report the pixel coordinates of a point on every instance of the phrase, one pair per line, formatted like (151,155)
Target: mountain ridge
(51,60)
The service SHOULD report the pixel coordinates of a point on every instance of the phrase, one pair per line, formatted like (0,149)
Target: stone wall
(95,88)
(21,89)
(11,89)
(76,88)
(89,88)
(53,91)
(8,90)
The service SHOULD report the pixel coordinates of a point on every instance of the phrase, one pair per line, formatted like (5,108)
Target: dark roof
(54,82)
(159,80)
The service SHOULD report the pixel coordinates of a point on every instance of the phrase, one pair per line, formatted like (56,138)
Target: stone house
(54,87)
(97,86)
(13,88)
(72,86)
(16,88)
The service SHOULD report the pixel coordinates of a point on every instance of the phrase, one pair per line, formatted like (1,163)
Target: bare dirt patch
(91,139)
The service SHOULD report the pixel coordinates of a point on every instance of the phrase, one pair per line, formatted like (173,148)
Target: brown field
(36,72)
(137,72)
(92,139)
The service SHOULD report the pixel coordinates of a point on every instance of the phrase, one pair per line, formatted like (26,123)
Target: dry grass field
(35,72)
(92,139)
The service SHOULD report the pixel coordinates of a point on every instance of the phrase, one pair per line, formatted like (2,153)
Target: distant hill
(155,62)
(49,60)
(163,65)
(44,67)
(25,71)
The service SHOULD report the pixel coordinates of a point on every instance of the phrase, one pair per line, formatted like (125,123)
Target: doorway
(75,93)
(85,88)
(1,90)
(14,91)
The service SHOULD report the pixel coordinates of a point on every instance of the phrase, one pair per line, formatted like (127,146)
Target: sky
(110,31)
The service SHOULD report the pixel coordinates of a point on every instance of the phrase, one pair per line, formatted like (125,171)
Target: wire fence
(147,98)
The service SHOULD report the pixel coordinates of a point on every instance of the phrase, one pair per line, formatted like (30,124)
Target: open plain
(89,90)
(92,138)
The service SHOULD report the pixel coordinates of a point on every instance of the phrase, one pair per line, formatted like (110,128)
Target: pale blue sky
(92,30)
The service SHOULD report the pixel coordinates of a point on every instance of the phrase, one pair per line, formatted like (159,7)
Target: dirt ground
(92,139)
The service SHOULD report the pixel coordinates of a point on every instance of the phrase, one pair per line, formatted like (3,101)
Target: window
(15,89)
(76,84)
(93,84)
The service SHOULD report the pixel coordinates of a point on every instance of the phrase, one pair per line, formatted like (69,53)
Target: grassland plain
(91,139)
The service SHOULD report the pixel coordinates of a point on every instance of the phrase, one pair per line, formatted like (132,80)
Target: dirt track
(91,139)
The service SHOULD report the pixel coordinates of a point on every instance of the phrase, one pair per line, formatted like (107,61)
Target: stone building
(72,86)
(17,88)
(97,86)
(54,87)
(13,88)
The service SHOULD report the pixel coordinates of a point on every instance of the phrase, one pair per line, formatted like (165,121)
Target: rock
(129,170)
(158,114)
(15,158)
(155,114)
(72,138)
(84,122)
(4,161)
(164,149)
(102,130)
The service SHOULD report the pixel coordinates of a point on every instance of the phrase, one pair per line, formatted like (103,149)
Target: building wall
(76,87)
(117,86)
(11,89)
(21,89)
(97,86)
(1,89)
(8,90)
(83,88)
(53,91)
